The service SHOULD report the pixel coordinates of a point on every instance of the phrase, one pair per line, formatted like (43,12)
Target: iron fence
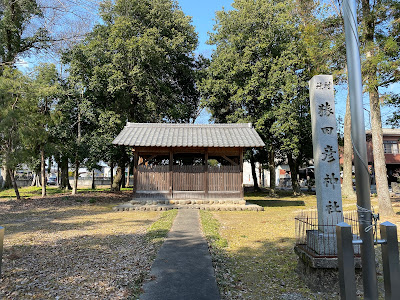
(320,240)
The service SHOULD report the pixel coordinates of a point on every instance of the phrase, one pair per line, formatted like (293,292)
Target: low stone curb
(188,201)
(163,207)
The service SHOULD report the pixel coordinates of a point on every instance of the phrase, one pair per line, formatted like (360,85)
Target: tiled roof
(188,135)
(387,131)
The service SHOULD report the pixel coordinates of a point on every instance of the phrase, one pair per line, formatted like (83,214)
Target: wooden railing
(153,178)
(189,178)
(224,178)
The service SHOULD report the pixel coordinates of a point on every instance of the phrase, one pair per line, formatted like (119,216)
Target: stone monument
(318,261)
(326,165)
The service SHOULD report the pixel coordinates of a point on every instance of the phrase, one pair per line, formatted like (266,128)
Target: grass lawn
(253,251)
(76,247)
(33,191)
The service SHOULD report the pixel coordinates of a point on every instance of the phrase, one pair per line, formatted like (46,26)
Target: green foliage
(13,87)
(16,35)
(140,62)
(38,108)
(380,41)
(381,47)
(259,73)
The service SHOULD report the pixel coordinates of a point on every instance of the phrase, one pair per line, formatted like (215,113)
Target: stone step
(162,207)
(188,202)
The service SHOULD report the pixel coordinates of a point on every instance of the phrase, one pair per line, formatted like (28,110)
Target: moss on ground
(159,229)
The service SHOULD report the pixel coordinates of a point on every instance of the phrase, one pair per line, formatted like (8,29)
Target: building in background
(391,145)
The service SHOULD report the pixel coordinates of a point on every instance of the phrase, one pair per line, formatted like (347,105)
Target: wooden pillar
(206,183)
(135,171)
(171,172)
(241,174)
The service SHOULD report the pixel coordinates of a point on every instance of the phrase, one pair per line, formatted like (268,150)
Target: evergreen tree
(140,62)
(13,86)
(258,74)
(138,65)
(380,40)
(38,107)
(16,35)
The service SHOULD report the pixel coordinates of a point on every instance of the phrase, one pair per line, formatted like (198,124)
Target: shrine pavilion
(188,161)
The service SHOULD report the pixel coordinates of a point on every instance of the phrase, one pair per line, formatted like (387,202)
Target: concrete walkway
(183,267)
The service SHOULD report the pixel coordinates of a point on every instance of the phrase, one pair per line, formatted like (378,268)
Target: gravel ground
(74,247)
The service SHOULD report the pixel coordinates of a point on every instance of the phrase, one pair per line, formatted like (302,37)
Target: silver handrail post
(360,150)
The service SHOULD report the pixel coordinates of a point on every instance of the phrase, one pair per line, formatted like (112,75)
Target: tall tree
(12,92)
(257,75)
(140,62)
(347,186)
(43,90)
(15,36)
(380,38)
(138,65)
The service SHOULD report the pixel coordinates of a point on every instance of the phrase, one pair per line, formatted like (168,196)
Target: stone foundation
(162,207)
(204,204)
(321,274)
(188,202)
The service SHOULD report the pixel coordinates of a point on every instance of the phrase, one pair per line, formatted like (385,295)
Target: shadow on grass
(155,235)
(51,222)
(277,203)
(67,266)
(268,194)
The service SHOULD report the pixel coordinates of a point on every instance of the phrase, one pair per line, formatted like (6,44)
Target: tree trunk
(382,188)
(7,182)
(122,182)
(76,176)
(347,186)
(78,144)
(117,180)
(64,174)
(129,174)
(36,180)
(14,183)
(272,174)
(111,175)
(43,171)
(93,184)
(58,174)
(294,170)
(253,172)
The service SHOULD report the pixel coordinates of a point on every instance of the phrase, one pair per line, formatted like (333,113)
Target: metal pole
(390,261)
(1,246)
(360,149)
(347,277)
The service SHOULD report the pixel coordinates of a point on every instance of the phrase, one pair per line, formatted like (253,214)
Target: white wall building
(263,176)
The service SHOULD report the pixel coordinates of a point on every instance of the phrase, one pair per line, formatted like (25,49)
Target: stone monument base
(325,244)
(320,273)
(322,243)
